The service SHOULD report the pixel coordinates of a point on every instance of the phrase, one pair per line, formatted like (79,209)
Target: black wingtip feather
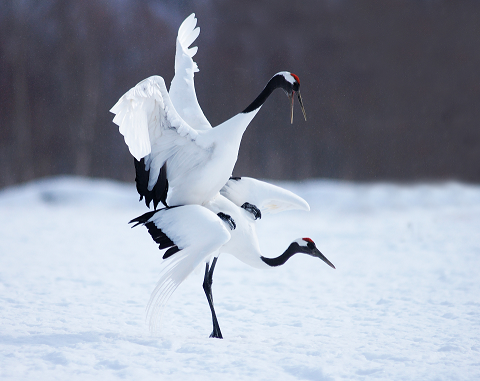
(159,236)
(170,252)
(160,190)
(142,219)
(156,233)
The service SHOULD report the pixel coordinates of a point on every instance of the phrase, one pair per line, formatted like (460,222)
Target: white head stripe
(288,76)
(301,242)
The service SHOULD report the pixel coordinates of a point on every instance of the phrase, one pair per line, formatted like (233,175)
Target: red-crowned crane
(195,234)
(179,158)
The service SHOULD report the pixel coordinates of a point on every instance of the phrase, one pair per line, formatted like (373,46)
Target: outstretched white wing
(153,130)
(182,89)
(267,197)
(195,233)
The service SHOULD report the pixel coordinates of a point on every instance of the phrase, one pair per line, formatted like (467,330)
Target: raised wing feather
(197,232)
(267,197)
(153,129)
(182,89)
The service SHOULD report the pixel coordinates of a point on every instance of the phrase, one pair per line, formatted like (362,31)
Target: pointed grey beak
(317,253)
(301,105)
(291,107)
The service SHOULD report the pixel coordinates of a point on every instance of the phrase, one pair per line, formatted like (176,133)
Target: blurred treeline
(391,87)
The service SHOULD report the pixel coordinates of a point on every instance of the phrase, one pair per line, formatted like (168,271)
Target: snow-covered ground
(403,303)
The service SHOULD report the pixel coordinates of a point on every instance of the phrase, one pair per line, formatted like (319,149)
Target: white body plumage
(183,162)
(200,234)
(169,128)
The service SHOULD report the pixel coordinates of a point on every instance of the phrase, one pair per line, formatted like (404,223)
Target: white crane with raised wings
(179,158)
(184,163)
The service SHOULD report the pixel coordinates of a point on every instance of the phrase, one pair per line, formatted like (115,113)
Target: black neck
(274,83)
(293,249)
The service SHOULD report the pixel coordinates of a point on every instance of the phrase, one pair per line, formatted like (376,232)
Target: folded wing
(267,197)
(192,233)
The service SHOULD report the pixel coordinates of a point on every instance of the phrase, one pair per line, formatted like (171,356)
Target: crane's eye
(311,245)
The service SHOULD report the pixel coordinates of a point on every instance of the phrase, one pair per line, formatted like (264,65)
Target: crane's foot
(216,333)
(252,209)
(228,219)
(207,287)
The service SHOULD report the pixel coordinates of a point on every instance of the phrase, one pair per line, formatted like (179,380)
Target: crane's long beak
(317,253)
(301,105)
(291,107)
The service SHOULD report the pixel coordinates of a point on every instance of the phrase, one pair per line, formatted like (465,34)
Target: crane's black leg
(207,287)
(252,209)
(228,219)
